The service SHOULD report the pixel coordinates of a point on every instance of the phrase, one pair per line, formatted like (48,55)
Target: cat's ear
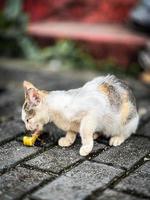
(27,85)
(31,93)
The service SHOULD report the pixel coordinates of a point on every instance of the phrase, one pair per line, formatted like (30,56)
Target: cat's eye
(31,112)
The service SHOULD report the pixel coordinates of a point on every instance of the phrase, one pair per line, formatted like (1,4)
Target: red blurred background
(91,11)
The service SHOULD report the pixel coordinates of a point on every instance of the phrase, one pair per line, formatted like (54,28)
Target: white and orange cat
(104,105)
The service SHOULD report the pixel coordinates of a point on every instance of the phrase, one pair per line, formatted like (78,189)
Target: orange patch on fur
(104,88)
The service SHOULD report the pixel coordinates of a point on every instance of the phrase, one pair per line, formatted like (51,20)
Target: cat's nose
(28,127)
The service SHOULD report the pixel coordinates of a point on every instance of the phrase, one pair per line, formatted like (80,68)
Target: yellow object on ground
(30,140)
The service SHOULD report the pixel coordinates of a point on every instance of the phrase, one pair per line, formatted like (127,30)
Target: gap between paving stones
(79,186)
(74,165)
(111,184)
(45,182)
(115,195)
(133,146)
(25,159)
(69,167)
(92,155)
(47,178)
(39,151)
(128,172)
(137,182)
(98,191)
(32,155)
(118,196)
(66,169)
(133,193)
(116,180)
(109,164)
(139,163)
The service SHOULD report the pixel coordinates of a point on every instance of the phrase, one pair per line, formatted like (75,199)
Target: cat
(104,105)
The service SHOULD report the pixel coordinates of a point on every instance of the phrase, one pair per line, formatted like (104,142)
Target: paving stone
(19,181)
(14,152)
(113,195)
(57,158)
(145,130)
(139,89)
(14,96)
(10,112)
(79,182)
(26,198)
(127,154)
(10,129)
(10,105)
(137,182)
(42,79)
(145,118)
(144,103)
(144,110)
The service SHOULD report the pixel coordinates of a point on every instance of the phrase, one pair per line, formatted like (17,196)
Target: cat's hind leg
(68,140)
(126,131)
(116,140)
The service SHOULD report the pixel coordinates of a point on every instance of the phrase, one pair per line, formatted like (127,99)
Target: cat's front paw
(116,140)
(85,150)
(64,142)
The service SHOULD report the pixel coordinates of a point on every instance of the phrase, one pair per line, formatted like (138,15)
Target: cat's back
(101,90)
(109,80)
(110,87)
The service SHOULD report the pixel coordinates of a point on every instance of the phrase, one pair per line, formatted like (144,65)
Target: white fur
(85,110)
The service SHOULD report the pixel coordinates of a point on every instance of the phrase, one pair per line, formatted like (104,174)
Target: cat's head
(34,109)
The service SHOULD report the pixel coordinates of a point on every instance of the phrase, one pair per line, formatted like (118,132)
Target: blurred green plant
(68,54)
(13,39)
(110,66)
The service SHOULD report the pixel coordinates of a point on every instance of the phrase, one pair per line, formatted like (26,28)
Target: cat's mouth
(32,128)
(29,127)
(33,131)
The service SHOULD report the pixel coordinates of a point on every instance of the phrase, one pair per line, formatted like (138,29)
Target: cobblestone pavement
(48,172)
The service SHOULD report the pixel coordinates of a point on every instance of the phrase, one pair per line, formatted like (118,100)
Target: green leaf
(12,9)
